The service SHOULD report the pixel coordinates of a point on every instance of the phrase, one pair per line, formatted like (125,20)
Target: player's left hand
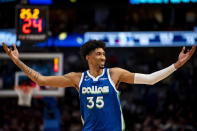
(184,56)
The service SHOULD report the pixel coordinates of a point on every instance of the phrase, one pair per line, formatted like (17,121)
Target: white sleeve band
(155,77)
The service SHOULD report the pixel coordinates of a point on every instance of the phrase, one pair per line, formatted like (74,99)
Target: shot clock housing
(31,23)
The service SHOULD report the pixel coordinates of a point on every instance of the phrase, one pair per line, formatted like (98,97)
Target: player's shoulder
(115,70)
(74,74)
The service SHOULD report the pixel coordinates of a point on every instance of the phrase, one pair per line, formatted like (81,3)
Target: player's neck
(95,71)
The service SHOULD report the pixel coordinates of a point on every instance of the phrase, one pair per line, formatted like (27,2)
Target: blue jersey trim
(82,75)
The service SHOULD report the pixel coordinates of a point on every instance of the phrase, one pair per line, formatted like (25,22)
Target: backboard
(49,64)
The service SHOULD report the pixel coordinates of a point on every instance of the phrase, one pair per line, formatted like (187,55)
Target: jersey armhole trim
(82,75)
(82,120)
(111,81)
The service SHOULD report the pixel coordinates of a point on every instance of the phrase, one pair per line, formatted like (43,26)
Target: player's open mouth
(102,63)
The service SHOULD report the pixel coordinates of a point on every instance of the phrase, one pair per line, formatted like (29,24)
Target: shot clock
(31,23)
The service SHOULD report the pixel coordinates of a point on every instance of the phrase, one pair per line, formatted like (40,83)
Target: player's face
(97,58)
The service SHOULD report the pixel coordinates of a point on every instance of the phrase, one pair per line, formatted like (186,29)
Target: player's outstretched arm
(53,81)
(150,79)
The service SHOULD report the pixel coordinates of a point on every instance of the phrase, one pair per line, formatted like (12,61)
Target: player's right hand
(14,55)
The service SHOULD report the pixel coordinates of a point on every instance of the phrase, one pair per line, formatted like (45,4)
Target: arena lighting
(73,1)
(62,36)
(79,40)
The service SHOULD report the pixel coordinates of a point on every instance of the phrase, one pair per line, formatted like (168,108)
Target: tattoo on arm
(28,71)
(36,75)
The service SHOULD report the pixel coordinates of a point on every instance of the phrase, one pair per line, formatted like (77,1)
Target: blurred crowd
(119,16)
(134,18)
(21,118)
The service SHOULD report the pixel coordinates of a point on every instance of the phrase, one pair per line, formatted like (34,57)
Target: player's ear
(87,57)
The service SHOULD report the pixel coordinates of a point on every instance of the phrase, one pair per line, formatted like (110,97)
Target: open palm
(14,55)
(184,57)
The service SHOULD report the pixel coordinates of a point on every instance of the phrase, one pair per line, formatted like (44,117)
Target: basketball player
(98,87)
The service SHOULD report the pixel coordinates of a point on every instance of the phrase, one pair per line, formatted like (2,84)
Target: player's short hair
(90,46)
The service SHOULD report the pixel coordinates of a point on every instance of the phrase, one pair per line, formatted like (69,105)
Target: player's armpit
(68,80)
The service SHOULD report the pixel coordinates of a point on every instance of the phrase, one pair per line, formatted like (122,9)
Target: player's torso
(99,103)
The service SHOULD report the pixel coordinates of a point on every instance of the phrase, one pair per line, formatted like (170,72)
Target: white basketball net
(24,95)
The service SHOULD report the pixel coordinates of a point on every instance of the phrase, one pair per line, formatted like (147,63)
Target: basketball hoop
(24,95)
